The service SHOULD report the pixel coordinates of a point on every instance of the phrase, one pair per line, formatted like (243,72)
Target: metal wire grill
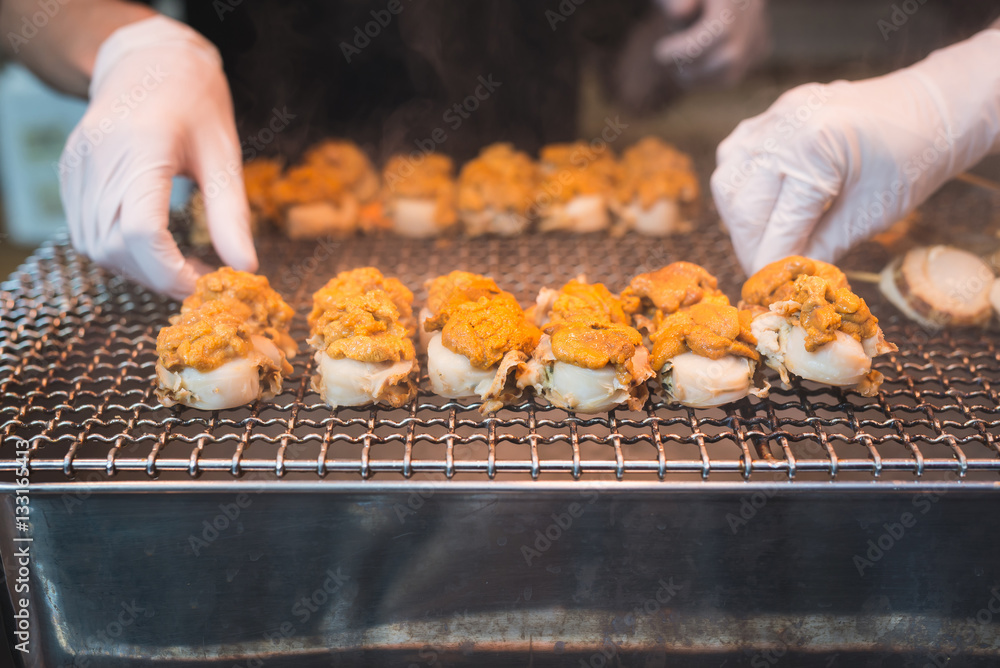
(77,353)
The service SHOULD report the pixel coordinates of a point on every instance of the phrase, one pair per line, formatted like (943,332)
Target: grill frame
(77,350)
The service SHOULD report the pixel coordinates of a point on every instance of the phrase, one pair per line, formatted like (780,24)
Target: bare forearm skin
(58,39)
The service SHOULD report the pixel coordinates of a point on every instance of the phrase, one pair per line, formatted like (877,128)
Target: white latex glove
(159,107)
(728,38)
(829,165)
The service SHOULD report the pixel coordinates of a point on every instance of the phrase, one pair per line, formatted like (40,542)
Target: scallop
(347,382)
(841,362)
(491,221)
(452,375)
(660,219)
(583,213)
(415,217)
(583,390)
(700,382)
(316,219)
(233,384)
(940,286)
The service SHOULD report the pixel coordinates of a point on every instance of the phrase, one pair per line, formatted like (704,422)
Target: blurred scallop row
(336,191)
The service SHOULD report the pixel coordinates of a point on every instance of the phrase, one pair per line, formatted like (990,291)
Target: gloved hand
(159,107)
(724,42)
(829,165)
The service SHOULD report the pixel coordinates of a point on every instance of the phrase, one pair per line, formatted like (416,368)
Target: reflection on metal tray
(287,534)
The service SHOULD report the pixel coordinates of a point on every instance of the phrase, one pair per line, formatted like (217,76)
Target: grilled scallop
(576,190)
(705,355)
(419,195)
(228,346)
(479,341)
(362,325)
(815,327)
(325,193)
(496,191)
(448,291)
(657,189)
(940,286)
(211,358)
(589,359)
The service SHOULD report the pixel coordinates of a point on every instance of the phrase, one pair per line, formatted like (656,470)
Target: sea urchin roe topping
(431,178)
(363,327)
(267,307)
(824,309)
(206,337)
(675,286)
(457,287)
(259,178)
(652,169)
(358,282)
(346,163)
(500,178)
(576,169)
(487,329)
(589,301)
(329,172)
(773,283)
(593,343)
(709,330)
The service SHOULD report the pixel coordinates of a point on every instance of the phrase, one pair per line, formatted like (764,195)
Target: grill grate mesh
(77,352)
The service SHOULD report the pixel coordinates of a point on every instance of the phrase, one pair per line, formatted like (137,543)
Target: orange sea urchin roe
(824,309)
(652,169)
(430,178)
(267,307)
(329,172)
(706,329)
(358,282)
(487,329)
(569,170)
(259,178)
(452,289)
(593,343)
(589,301)
(363,327)
(774,283)
(675,286)
(206,337)
(500,178)
(589,328)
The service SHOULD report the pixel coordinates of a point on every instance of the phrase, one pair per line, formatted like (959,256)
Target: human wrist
(151,32)
(964,83)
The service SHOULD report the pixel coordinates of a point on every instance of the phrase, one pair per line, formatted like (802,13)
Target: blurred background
(277,59)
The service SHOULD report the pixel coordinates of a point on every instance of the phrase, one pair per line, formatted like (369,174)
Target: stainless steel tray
(751,518)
